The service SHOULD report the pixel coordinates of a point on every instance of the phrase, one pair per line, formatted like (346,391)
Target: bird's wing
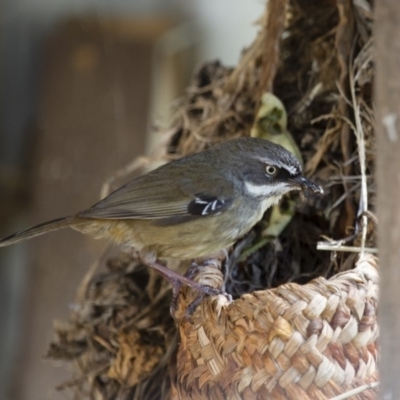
(154,196)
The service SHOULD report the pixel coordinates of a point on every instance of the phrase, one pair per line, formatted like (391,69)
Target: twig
(274,25)
(357,390)
(328,246)
(84,284)
(308,98)
(83,377)
(359,132)
(344,41)
(341,199)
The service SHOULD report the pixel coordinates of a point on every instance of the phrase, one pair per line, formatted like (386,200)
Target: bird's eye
(271,170)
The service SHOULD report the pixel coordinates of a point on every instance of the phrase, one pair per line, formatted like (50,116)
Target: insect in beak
(305,184)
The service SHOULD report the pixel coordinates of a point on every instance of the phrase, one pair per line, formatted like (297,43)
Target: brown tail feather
(38,230)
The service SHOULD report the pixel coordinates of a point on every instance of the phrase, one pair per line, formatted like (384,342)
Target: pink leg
(175,279)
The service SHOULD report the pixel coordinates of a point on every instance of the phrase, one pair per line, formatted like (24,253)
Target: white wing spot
(206,209)
(199,201)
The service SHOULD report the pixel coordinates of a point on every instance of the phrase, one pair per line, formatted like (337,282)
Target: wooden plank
(387,57)
(93,120)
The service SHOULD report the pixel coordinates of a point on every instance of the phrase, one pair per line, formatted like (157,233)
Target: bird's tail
(38,230)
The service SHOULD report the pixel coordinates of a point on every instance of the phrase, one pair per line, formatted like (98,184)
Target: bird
(191,208)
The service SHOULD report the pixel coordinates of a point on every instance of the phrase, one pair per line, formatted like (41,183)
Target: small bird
(191,208)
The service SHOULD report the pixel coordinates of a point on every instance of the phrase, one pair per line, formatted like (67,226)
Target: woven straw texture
(294,342)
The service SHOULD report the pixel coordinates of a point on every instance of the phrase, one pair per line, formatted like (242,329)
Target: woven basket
(294,342)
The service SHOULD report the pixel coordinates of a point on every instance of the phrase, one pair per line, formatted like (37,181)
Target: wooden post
(387,91)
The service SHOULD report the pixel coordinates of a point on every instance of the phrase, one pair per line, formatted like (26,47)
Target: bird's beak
(305,184)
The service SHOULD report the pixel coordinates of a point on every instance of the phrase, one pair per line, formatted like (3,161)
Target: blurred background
(82,84)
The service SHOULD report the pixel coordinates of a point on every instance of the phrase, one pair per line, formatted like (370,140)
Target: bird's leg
(190,274)
(174,278)
(177,280)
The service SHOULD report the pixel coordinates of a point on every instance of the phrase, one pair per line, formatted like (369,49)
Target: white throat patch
(271,194)
(269,202)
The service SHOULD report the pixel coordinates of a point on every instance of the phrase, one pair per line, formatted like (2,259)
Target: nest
(316,57)
(309,342)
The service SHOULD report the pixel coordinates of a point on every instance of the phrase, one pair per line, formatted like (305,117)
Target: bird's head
(268,170)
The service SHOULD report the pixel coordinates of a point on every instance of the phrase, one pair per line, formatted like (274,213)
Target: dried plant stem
(275,22)
(344,41)
(357,390)
(349,249)
(359,132)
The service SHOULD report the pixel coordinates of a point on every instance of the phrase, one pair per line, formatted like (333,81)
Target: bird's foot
(206,290)
(212,274)
(177,280)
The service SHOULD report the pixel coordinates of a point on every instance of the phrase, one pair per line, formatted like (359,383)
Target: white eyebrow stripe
(264,190)
(291,170)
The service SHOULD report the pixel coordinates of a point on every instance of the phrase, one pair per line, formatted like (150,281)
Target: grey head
(265,169)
